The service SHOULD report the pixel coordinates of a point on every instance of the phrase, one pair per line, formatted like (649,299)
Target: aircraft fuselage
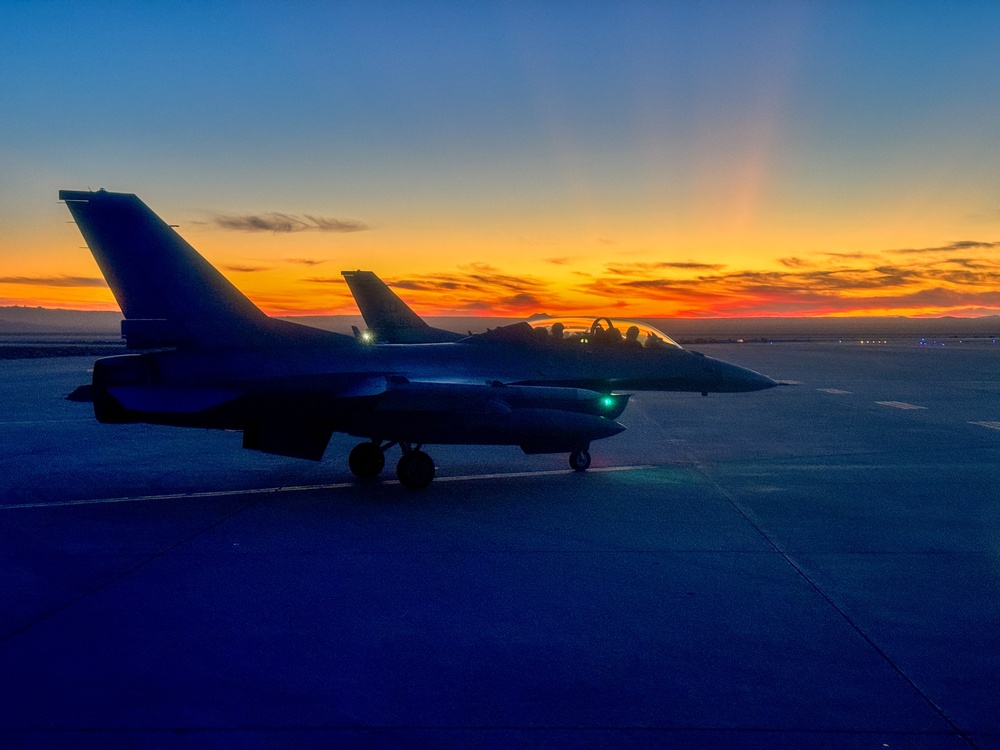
(541,395)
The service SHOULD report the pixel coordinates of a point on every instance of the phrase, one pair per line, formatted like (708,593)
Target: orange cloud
(904,288)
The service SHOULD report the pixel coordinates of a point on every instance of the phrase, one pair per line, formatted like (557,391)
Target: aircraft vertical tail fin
(169,294)
(387,316)
(379,305)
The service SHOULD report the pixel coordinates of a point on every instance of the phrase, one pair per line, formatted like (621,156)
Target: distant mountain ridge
(40,320)
(45,320)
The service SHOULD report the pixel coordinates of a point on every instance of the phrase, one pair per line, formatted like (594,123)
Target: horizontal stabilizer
(171,399)
(82,393)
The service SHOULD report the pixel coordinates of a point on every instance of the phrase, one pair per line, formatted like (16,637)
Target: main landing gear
(367,460)
(415,468)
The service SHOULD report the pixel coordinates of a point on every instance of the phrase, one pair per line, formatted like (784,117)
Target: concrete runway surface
(811,566)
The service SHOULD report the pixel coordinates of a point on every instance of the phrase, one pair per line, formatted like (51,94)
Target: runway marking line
(900,405)
(990,425)
(834,391)
(313,487)
(48,421)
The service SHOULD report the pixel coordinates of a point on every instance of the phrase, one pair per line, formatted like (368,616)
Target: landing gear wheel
(366,460)
(579,460)
(415,470)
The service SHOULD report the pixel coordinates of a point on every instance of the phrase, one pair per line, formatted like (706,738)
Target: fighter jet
(213,359)
(392,321)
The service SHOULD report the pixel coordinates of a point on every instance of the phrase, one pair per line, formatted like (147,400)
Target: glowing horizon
(295,272)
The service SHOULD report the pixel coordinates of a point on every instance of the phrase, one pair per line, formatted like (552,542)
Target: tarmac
(814,566)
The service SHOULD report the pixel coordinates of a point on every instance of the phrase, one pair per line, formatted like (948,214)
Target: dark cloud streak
(629,269)
(794,262)
(284,223)
(952,248)
(59,281)
(305,261)
(246,269)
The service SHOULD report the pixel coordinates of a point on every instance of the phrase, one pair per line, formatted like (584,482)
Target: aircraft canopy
(611,331)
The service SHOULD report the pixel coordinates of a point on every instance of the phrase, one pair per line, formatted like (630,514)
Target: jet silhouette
(213,359)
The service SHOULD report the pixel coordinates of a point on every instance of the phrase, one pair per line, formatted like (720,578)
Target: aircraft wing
(539,419)
(297,416)
(291,416)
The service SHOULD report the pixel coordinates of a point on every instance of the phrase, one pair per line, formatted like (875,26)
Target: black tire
(415,470)
(579,460)
(366,460)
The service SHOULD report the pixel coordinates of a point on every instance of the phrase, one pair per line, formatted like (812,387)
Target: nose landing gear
(579,460)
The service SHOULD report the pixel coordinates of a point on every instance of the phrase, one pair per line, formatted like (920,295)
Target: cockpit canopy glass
(604,331)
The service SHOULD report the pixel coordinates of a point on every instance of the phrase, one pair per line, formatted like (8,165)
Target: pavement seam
(315,487)
(847,618)
(124,574)
(475,728)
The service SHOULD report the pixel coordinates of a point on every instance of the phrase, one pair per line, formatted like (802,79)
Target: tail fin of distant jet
(389,318)
(169,294)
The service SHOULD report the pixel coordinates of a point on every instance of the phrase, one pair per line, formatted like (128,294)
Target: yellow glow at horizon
(409,247)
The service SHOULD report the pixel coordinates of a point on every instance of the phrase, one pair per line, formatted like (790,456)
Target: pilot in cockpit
(653,341)
(609,336)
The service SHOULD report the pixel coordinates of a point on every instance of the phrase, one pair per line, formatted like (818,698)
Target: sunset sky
(642,159)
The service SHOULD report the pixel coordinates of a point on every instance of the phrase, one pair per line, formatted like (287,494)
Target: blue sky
(505,134)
